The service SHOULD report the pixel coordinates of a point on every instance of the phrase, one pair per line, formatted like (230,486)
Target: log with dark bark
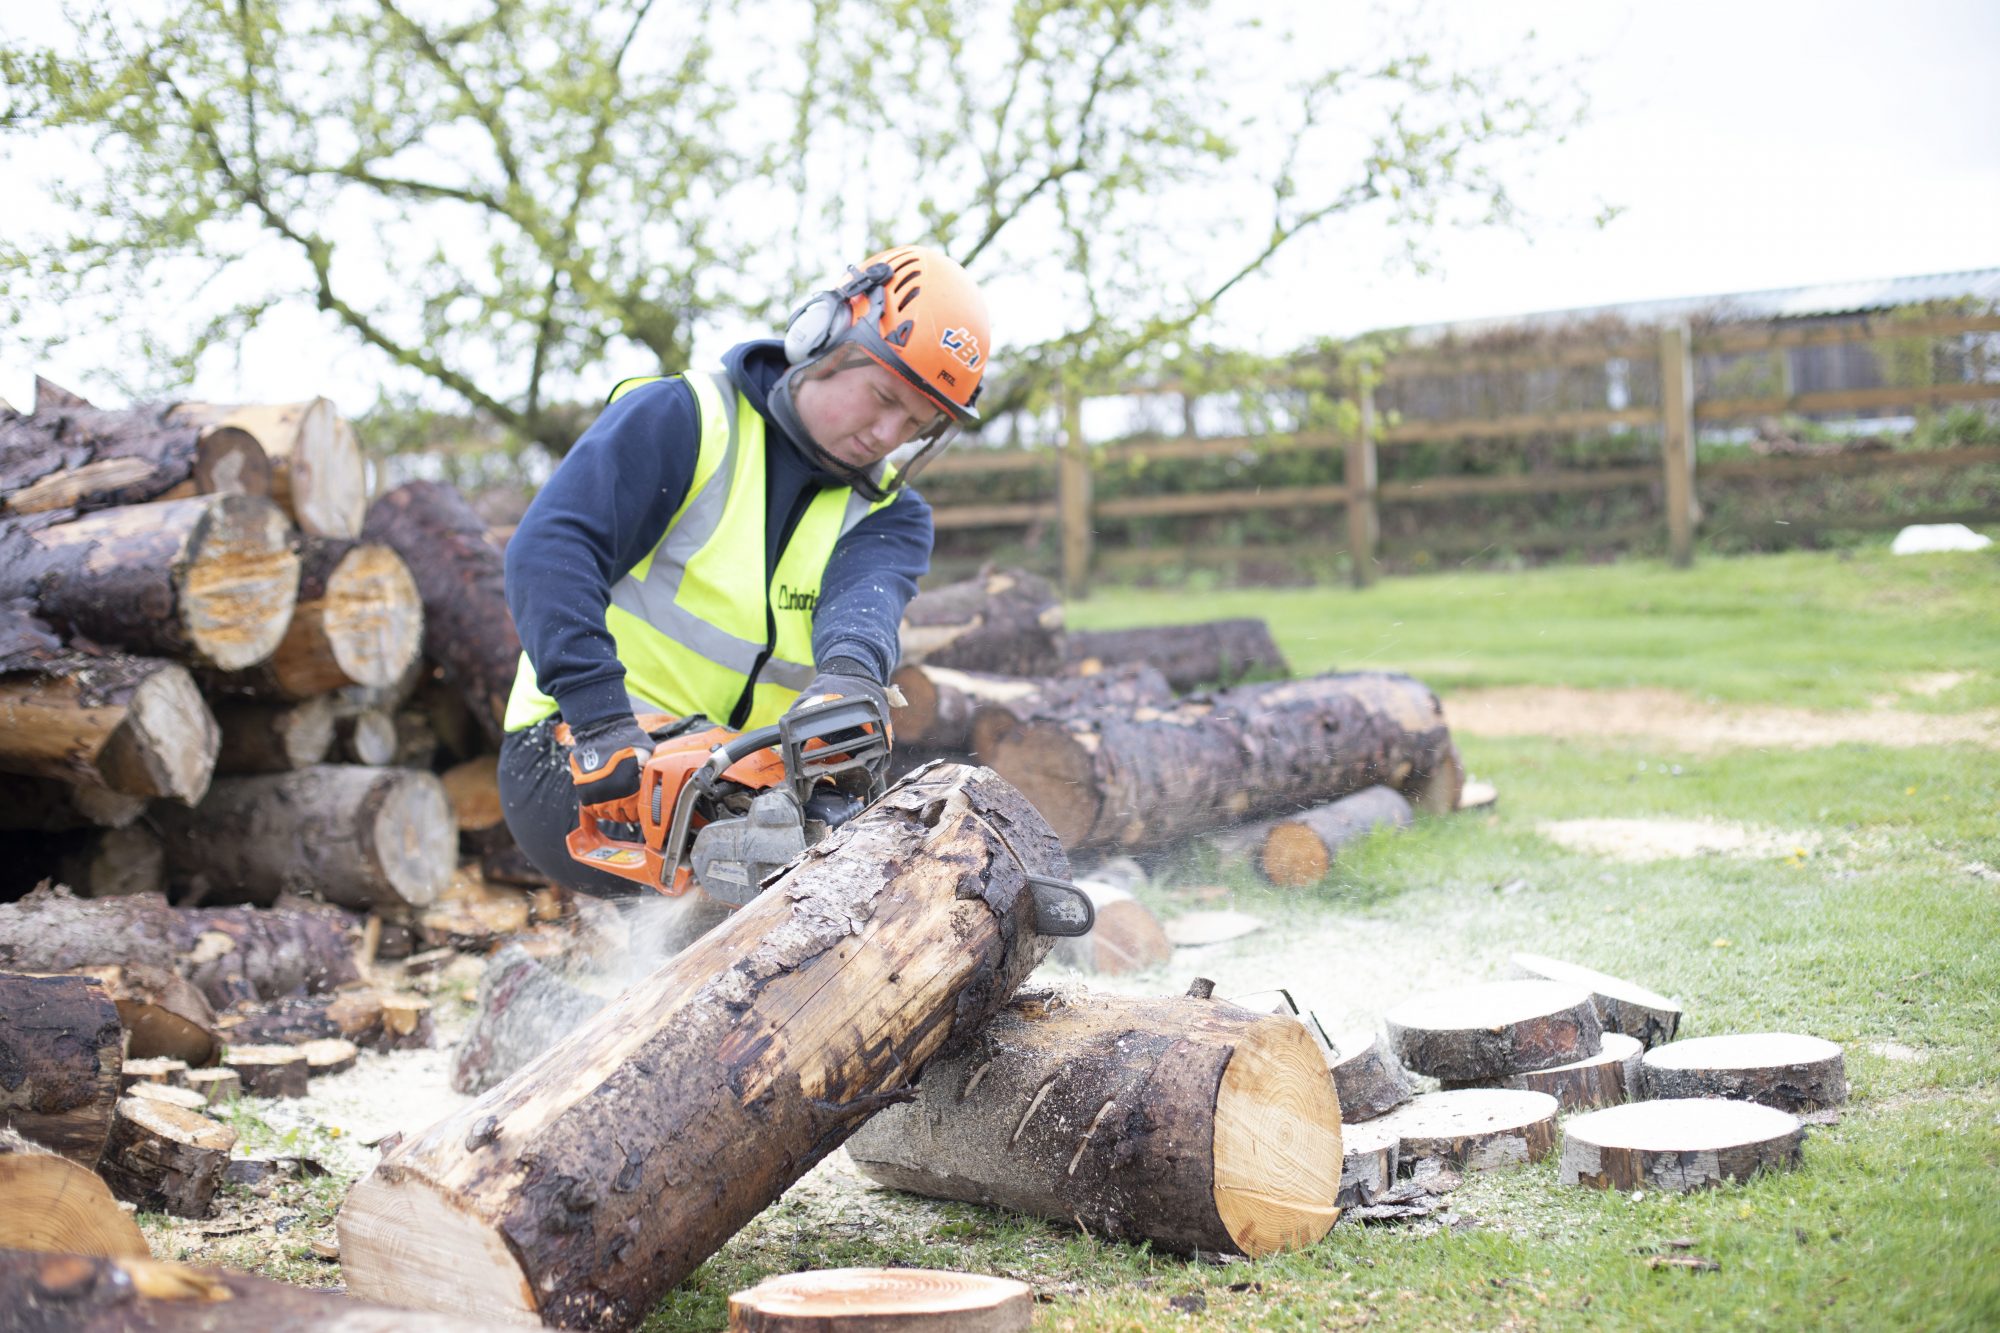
(1205,655)
(1678,1144)
(1367,1076)
(165,1159)
(95,863)
(472,913)
(1296,851)
(370,1019)
(270,1071)
(343,833)
(1190,1123)
(525,1007)
(358,622)
(1155,776)
(1006,621)
(1133,687)
(1610,1077)
(215,1085)
(1621,1005)
(231,953)
(165,1016)
(48,1202)
(883,1300)
(61,1049)
(943,703)
(208,581)
(136,726)
(600,1175)
(71,455)
(1495,1029)
(317,473)
(467,628)
(50,806)
(1368,1163)
(1781,1069)
(1474,1129)
(265,737)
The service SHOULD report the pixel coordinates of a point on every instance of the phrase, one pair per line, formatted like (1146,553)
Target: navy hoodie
(610,501)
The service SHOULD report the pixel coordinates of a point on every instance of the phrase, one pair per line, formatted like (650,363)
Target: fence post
(1677,440)
(1073,496)
(1364,524)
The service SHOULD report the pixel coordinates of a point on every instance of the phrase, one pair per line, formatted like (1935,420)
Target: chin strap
(779,401)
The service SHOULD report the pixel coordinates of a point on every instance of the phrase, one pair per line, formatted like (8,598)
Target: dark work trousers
(539,800)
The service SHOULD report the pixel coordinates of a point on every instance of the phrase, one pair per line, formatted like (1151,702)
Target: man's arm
(870,579)
(598,516)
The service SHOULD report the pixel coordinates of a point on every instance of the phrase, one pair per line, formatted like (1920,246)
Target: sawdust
(1674,839)
(1681,721)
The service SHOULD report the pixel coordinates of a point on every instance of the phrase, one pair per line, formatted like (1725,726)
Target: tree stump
(51,1203)
(1125,938)
(61,1050)
(1474,1129)
(152,1069)
(328,1055)
(263,737)
(1678,1144)
(1297,850)
(891,1300)
(165,1159)
(1621,1005)
(270,1071)
(215,1085)
(132,725)
(1779,1069)
(607,1170)
(1610,1077)
(71,455)
(1494,1030)
(165,1016)
(317,473)
(1367,1076)
(1005,621)
(1206,654)
(1367,1164)
(1189,1123)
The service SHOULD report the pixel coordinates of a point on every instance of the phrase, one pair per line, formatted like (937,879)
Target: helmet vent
(908,297)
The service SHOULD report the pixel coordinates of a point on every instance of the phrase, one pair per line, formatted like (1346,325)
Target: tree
(542,195)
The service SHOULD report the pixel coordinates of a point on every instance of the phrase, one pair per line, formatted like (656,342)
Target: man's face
(860,412)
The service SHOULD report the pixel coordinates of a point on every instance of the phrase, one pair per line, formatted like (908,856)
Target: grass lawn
(1880,930)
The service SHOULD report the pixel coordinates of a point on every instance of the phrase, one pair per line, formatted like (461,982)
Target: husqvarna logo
(961,344)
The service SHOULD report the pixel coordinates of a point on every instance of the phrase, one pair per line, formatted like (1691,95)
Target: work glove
(605,760)
(842,677)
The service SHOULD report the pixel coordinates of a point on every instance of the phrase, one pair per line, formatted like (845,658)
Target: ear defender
(818,324)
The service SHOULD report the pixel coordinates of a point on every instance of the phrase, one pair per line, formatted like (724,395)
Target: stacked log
(1208,655)
(68,454)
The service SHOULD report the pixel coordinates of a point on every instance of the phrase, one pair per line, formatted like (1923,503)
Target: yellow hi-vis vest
(695,622)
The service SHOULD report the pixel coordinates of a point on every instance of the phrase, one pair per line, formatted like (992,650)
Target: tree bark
(1678,1145)
(1368,1163)
(524,1009)
(208,581)
(1209,654)
(1154,777)
(883,1300)
(948,709)
(1610,1077)
(1296,851)
(270,1071)
(467,628)
(317,473)
(136,726)
(61,1049)
(1490,1031)
(1779,1069)
(359,621)
(1621,1005)
(1005,621)
(1135,687)
(356,836)
(71,455)
(261,737)
(165,1017)
(1367,1077)
(371,1019)
(48,1202)
(165,1159)
(606,1171)
(230,954)
(1476,1129)
(1189,1123)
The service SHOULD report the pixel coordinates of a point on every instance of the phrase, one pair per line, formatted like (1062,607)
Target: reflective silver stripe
(858,506)
(791,675)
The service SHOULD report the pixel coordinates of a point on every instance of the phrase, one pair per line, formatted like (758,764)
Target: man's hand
(605,760)
(842,678)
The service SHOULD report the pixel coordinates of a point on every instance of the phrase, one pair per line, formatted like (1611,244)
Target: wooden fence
(1360,494)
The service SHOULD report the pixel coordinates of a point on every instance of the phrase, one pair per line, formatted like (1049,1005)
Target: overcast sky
(1749,144)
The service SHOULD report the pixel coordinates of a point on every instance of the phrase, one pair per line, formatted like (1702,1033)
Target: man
(726,544)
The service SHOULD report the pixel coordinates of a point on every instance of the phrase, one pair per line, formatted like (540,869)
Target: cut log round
(891,1300)
(132,725)
(1621,1005)
(209,581)
(1190,1123)
(524,1009)
(473,788)
(317,473)
(373,1020)
(1206,654)
(51,806)
(607,1170)
(1005,621)
(1680,1144)
(1367,1076)
(1610,1077)
(1781,1069)
(71,455)
(51,1203)
(358,623)
(1474,1129)
(1493,1030)
(173,1095)
(261,737)
(467,628)
(367,737)
(152,1069)
(1125,938)
(472,914)
(1368,1163)
(1151,776)
(328,1055)
(355,836)
(61,1050)
(165,1015)
(215,1085)
(165,1159)
(270,1071)
(1299,849)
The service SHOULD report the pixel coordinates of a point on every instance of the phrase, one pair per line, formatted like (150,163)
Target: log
(1495,1029)
(1188,1123)
(165,1016)
(1126,937)
(606,1171)
(1005,621)
(370,1019)
(261,737)
(134,1294)
(1127,687)
(1206,655)
(1621,1005)
(1473,1129)
(317,473)
(96,863)
(208,581)
(1678,1144)
(165,1159)
(172,1094)
(467,629)
(161,1069)
(329,1055)
(1153,776)
(231,954)
(48,1202)
(132,725)
(962,710)
(473,788)
(1296,851)
(367,736)
(1608,1078)
(524,1009)
(61,1050)
(215,1085)
(71,455)
(472,914)
(1367,1076)
(1368,1163)
(883,1300)
(1779,1069)
(51,806)
(359,621)
(360,837)
(270,1071)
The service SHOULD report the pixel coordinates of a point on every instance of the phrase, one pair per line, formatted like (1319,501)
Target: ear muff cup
(815,326)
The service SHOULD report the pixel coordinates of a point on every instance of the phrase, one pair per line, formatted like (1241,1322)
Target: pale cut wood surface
(1782,1069)
(1476,1129)
(48,1202)
(134,726)
(1678,1144)
(1494,1029)
(888,1300)
(317,473)
(1622,1006)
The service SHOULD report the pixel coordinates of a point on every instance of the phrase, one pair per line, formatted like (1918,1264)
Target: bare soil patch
(1672,718)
